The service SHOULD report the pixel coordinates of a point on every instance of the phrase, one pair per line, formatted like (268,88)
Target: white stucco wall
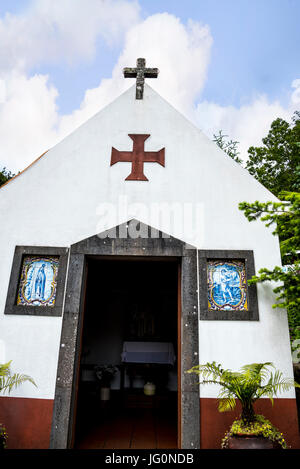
(72,193)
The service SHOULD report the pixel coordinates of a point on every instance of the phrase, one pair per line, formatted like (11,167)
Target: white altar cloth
(148,352)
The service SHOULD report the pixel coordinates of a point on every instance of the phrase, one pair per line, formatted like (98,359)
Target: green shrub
(3,437)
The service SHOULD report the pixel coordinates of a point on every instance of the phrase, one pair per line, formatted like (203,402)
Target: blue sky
(238,59)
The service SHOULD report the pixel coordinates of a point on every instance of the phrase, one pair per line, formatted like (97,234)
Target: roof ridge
(23,170)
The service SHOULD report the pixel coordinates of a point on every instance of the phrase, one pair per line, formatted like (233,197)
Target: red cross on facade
(138,156)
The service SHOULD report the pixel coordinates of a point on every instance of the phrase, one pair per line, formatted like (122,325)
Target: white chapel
(124,261)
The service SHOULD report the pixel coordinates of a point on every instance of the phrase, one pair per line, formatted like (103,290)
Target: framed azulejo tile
(227,285)
(224,293)
(37,281)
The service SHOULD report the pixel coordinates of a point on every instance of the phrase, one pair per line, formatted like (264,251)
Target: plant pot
(104,394)
(149,389)
(251,442)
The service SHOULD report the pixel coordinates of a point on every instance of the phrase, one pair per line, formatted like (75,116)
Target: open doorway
(130,325)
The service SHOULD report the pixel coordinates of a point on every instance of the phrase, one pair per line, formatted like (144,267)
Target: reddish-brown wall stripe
(27,421)
(214,424)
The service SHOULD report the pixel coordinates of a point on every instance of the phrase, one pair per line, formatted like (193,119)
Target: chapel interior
(130,324)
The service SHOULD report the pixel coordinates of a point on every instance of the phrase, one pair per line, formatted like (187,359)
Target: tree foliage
(229,146)
(285,216)
(5,175)
(276,164)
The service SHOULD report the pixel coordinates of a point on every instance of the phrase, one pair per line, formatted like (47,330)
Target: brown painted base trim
(27,422)
(214,424)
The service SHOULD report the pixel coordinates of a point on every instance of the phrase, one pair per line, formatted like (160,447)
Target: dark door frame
(145,246)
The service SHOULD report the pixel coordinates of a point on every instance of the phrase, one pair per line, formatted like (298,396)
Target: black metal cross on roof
(140,73)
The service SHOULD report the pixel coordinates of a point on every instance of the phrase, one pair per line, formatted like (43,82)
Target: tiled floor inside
(137,422)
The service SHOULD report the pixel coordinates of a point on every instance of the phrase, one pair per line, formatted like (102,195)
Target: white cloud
(295,99)
(181,53)
(48,32)
(51,32)
(29,119)
(247,124)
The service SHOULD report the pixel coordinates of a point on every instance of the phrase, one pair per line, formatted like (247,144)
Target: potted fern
(104,374)
(252,382)
(8,381)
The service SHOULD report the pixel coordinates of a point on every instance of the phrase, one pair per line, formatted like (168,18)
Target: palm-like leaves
(251,383)
(9,381)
